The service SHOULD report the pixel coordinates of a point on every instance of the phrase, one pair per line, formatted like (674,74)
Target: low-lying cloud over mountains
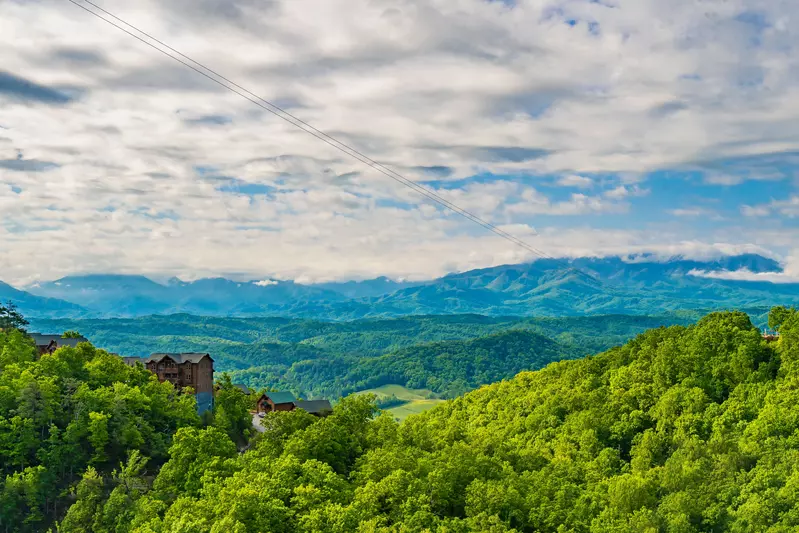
(631,285)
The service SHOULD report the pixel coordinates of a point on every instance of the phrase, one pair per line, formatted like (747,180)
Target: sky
(583,127)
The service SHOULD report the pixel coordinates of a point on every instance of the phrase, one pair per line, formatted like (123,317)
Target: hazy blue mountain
(32,305)
(641,285)
(368,288)
(224,297)
(120,295)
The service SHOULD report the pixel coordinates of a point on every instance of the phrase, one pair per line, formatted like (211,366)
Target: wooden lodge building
(275,401)
(284,401)
(315,407)
(195,370)
(51,343)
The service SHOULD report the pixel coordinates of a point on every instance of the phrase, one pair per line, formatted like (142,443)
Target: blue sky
(582,127)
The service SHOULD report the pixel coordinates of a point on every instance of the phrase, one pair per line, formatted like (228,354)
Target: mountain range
(574,287)
(39,305)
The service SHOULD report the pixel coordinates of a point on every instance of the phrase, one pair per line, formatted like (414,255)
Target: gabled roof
(314,407)
(179,358)
(244,388)
(45,340)
(280,397)
(132,360)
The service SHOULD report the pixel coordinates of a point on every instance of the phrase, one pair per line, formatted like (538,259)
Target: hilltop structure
(275,401)
(315,407)
(270,402)
(771,336)
(50,343)
(195,370)
(243,388)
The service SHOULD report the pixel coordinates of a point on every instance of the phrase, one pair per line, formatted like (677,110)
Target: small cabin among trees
(315,407)
(243,388)
(51,343)
(270,402)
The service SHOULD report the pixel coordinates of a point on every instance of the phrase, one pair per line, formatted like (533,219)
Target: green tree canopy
(60,413)
(232,410)
(681,430)
(778,315)
(11,318)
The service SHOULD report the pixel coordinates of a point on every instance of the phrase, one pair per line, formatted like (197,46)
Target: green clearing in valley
(413,407)
(417,400)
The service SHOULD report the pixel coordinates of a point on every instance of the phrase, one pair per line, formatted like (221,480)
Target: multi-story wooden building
(195,370)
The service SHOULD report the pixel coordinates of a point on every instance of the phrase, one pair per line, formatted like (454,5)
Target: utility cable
(322,136)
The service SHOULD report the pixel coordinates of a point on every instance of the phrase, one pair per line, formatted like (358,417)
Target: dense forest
(82,413)
(447,368)
(236,340)
(319,358)
(682,429)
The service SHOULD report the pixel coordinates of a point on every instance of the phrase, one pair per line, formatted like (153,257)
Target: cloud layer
(553,115)
(790,273)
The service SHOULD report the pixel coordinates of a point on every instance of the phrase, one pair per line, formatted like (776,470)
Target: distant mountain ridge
(44,307)
(638,285)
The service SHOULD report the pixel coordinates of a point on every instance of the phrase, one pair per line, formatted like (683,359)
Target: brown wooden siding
(199,376)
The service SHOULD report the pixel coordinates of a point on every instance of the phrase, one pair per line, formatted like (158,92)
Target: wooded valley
(446,354)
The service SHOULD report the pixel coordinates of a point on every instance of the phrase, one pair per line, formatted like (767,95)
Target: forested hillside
(448,368)
(319,358)
(368,337)
(82,413)
(683,429)
(62,413)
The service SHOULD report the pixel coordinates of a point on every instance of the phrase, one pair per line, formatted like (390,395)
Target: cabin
(270,402)
(195,370)
(315,407)
(243,388)
(51,343)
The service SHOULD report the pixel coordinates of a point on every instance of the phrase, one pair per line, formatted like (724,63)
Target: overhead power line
(288,117)
(311,130)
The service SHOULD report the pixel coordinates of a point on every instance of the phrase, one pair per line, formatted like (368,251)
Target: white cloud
(746,275)
(787,208)
(789,274)
(532,202)
(465,87)
(623,191)
(696,212)
(689,212)
(717,178)
(506,199)
(266,283)
(573,180)
(755,211)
